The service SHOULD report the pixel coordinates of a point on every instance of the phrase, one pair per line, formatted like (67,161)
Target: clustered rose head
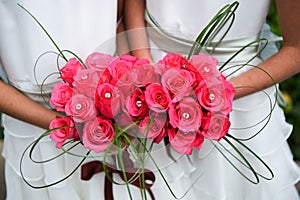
(184,101)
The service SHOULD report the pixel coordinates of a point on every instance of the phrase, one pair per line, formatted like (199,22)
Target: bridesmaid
(81,27)
(169,24)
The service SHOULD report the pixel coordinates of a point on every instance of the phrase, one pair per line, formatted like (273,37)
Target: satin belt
(170,43)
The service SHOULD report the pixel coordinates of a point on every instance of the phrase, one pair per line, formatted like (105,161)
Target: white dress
(218,180)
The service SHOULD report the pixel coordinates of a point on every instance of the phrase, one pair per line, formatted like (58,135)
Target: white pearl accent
(138,104)
(206,69)
(211,96)
(78,106)
(186,115)
(107,95)
(84,77)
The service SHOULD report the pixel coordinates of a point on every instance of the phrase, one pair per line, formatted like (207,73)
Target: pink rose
(229,92)
(215,126)
(178,82)
(97,134)
(154,126)
(126,83)
(196,76)
(205,64)
(107,100)
(145,74)
(212,98)
(81,108)
(61,95)
(129,59)
(70,70)
(140,62)
(160,69)
(136,105)
(217,97)
(186,115)
(98,61)
(157,98)
(122,77)
(64,129)
(121,66)
(177,61)
(173,60)
(183,142)
(105,77)
(85,82)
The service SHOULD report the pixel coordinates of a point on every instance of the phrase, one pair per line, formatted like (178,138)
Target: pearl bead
(78,106)
(186,115)
(107,95)
(84,77)
(206,69)
(212,96)
(138,104)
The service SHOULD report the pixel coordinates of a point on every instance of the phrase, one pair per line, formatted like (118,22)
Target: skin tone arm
(280,66)
(283,64)
(122,42)
(19,106)
(134,19)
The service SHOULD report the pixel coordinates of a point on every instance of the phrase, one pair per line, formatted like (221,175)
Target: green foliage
(291,87)
(273,20)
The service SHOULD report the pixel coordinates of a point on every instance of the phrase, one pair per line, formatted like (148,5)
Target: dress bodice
(188,18)
(73,25)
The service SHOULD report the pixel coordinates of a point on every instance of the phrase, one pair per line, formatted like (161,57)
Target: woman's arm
(135,25)
(19,106)
(283,64)
(122,41)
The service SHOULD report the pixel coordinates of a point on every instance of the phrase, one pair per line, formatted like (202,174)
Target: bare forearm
(122,41)
(19,106)
(278,68)
(135,24)
(282,65)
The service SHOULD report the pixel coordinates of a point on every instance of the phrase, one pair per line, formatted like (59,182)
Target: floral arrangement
(183,101)
(110,103)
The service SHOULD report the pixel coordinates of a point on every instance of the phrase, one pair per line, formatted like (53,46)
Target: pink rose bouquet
(180,100)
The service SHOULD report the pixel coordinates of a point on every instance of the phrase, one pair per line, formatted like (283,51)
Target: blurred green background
(289,89)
